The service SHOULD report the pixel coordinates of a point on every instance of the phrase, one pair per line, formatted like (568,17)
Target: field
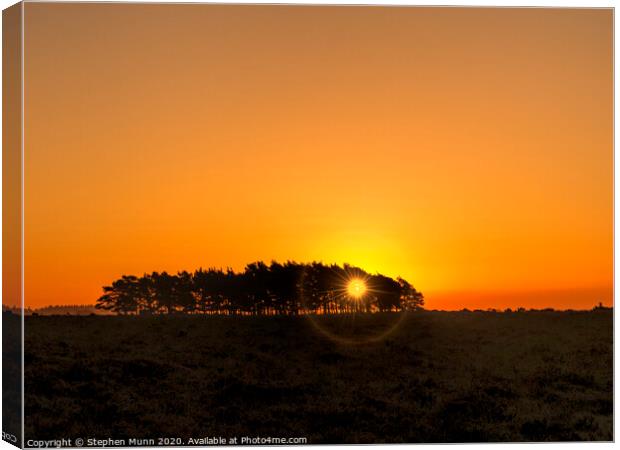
(437,377)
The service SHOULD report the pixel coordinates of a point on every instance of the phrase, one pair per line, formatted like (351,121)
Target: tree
(289,288)
(184,292)
(203,289)
(411,299)
(164,286)
(387,293)
(121,297)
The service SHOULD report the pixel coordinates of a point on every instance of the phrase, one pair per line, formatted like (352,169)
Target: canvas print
(298,224)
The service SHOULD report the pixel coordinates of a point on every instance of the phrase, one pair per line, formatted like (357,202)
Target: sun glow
(356,288)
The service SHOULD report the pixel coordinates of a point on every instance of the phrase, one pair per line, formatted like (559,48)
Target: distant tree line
(276,289)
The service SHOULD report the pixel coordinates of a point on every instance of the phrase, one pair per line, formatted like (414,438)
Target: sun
(356,288)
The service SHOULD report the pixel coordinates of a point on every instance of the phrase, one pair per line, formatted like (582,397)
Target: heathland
(422,376)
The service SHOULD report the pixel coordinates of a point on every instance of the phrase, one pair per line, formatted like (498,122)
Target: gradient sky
(467,150)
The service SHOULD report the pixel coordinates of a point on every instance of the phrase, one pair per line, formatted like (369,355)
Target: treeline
(276,289)
(57,310)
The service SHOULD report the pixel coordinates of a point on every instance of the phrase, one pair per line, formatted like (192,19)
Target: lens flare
(356,288)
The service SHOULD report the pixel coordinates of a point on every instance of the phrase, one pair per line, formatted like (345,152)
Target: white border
(442,3)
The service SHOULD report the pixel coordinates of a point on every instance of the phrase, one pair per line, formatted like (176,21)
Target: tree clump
(276,289)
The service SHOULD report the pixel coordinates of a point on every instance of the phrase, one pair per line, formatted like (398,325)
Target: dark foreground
(439,377)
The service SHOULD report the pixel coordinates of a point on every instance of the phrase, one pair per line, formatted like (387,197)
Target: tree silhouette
(276,289)
(410,298)
(121,296)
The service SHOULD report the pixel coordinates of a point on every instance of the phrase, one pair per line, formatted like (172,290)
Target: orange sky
(468,150)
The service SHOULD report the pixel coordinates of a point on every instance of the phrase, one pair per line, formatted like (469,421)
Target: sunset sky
(467,150)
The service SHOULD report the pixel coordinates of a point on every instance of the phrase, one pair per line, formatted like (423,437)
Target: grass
(438,377)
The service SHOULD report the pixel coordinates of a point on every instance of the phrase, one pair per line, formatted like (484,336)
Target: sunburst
(356,288)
